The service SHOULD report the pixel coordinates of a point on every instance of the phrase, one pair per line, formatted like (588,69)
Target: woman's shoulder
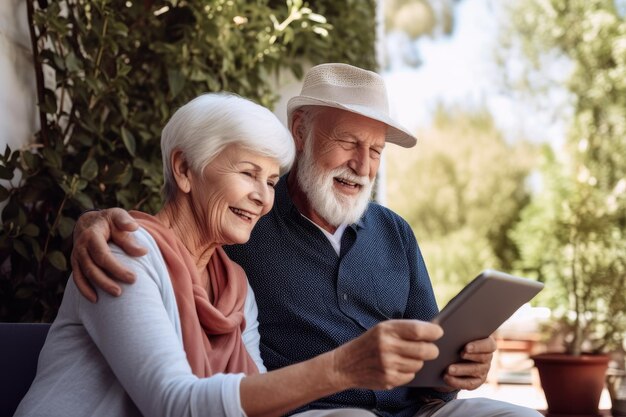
(151,263)
(142,237)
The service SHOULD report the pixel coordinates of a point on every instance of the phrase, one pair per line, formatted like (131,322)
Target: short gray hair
(309,115)
(203,127)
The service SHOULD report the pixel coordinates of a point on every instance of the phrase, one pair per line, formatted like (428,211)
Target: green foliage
(570,239)
(115,70)
(461,190)
(352,37)
(573,234)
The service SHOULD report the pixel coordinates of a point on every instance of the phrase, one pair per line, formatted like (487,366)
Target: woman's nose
(261,195)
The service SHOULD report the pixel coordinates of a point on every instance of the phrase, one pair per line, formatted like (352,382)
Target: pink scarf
(211,331)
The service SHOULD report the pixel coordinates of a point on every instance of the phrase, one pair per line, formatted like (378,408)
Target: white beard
(318,186)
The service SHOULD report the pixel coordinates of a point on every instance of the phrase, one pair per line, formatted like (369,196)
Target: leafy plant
(109,74)
(570,239)
(573,234)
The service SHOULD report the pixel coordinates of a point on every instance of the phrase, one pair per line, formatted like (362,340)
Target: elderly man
(326,264)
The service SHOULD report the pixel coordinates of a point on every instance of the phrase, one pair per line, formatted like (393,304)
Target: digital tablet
(474,313)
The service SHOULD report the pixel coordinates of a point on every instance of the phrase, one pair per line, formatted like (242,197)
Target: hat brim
(395,133)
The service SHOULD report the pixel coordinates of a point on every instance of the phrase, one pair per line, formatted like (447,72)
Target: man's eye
(348,143)
(272,184)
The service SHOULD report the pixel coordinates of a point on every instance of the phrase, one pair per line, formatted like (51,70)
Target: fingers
(473,373)
(122,225)
(387,355)
(122,220)
(127,242)
(100,266)
(81,282)
(96,276)
(413,330)
(477,357)
(465,383)
(92,260)
(467,376)
(487,345)
(409,339)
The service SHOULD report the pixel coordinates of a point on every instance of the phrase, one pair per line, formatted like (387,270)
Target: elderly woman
(183,340)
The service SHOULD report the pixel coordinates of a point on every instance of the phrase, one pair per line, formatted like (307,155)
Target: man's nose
(360,162)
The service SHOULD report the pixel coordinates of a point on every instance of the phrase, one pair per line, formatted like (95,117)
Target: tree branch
(43,121)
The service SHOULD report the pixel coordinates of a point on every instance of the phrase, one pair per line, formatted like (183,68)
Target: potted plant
(570,238)
(616,383)
(574,236)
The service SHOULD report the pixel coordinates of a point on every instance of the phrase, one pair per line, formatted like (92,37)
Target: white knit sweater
(123,356)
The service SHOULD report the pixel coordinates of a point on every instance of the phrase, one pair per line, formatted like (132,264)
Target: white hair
(309,115)
(203,127)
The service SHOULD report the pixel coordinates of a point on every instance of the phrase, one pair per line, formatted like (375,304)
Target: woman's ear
(181,171)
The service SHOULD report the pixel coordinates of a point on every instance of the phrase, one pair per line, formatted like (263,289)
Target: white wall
(18,112)
(286,86)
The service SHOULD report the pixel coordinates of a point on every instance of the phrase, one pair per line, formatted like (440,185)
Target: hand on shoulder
(93,264)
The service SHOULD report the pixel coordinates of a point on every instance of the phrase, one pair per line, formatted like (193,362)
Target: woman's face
(232,193)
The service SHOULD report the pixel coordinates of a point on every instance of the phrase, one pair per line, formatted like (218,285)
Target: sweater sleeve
(137,336)
(251,337)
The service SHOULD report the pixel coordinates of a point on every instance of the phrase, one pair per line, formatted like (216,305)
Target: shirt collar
(283,203)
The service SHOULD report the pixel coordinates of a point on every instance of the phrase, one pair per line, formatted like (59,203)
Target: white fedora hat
(352,89)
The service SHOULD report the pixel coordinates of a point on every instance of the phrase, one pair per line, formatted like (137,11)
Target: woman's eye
(248,174)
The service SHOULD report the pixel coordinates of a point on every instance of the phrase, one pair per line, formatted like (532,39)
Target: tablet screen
(474,313)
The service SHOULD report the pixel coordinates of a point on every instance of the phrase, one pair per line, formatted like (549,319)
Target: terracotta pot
(572,384)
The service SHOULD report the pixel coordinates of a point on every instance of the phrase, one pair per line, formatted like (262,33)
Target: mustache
(347,174)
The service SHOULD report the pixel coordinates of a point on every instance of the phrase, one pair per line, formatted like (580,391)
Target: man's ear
(297,129)
(181,170)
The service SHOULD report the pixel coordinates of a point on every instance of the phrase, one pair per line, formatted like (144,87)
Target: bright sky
(461,69)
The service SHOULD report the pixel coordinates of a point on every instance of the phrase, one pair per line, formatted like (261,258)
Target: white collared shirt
(333,238)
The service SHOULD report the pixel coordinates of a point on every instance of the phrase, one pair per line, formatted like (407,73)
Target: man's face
(338,163)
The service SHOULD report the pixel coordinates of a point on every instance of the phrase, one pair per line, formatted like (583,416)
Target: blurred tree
(591,36)
(461,191)
(420,17)
(406,21)
(573,235)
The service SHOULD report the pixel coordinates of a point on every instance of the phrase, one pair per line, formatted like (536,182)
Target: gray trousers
(470,407)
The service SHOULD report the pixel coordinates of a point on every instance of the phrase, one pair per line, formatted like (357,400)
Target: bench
(20,344)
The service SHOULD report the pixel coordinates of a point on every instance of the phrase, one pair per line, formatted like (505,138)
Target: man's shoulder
(377,213)
(383,221)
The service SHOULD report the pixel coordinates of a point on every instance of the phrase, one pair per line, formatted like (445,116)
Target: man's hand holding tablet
(472,316)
